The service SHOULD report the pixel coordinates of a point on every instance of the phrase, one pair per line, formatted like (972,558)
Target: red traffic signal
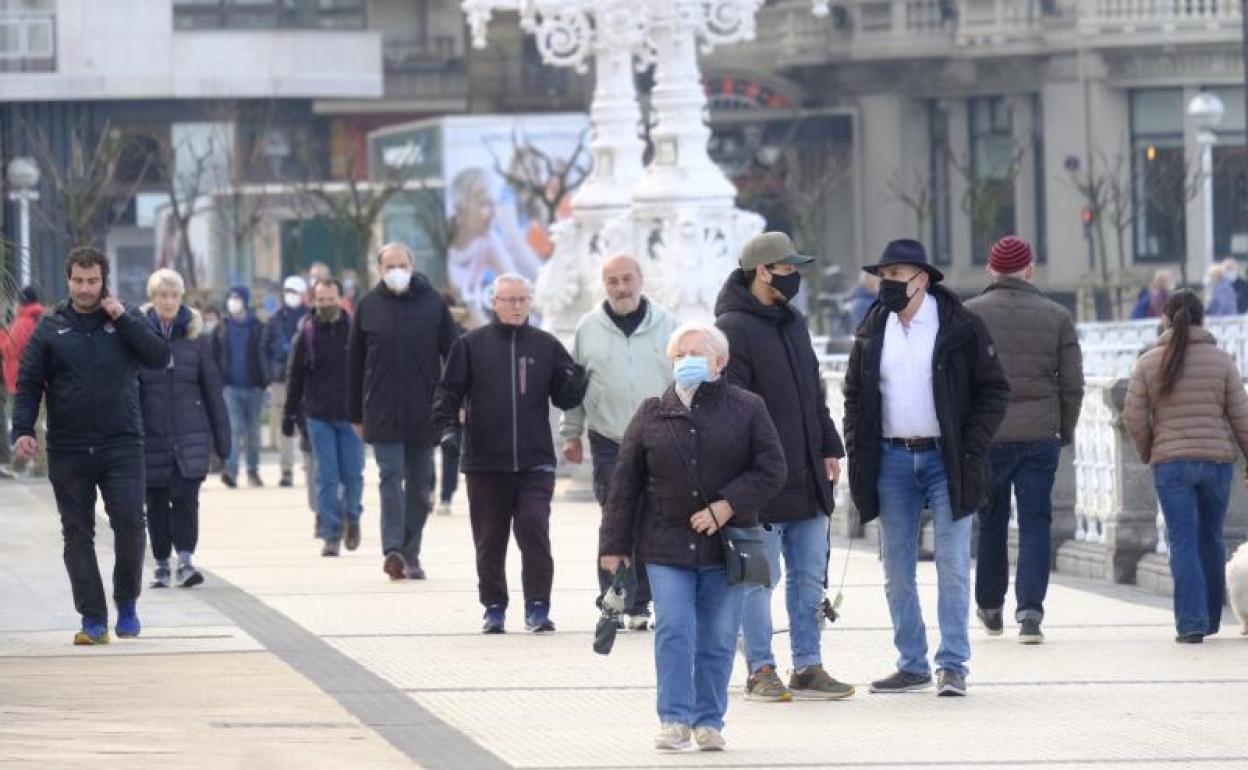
(1086,215)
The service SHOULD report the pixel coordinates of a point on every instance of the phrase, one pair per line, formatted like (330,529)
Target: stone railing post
(845,521)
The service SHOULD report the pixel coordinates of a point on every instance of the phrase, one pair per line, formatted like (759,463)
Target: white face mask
(293,300)
(398,279)
(234,305)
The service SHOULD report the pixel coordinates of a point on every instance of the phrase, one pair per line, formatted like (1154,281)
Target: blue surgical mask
(691,370)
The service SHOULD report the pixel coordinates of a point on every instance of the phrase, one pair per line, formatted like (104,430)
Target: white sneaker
(444,509)
(709,739)
(638,622)
(672,736)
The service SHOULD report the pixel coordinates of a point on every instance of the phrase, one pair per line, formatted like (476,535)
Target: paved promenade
(283,659)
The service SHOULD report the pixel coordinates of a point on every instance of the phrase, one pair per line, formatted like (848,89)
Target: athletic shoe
(160,575)
(128,625)
(814,683)
(495,617)
(672,736)
(537,618)
(639,621)
(330,548)
(901,681)
(708,739)
(1030,633)
(91,633)
(992,621)
(950,683)
(188,576)
(764,685)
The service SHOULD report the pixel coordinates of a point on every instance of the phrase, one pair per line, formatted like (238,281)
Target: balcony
(27,42)
(432,72)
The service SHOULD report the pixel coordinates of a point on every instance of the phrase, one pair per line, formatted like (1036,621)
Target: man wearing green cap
(771,355)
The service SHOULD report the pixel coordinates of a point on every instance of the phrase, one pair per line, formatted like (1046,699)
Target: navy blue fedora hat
(905,251)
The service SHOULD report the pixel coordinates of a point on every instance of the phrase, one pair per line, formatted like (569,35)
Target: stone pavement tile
(178,640)
(185,711)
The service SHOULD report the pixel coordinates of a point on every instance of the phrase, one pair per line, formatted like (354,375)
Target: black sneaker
(288,479)
(229,480)
(902,681)
(950,683)
(992,621)
(353,535)
(537,618)
(1190,638)
(414,571)
(495,616)
(330,548)
(1029,632)
(253,479)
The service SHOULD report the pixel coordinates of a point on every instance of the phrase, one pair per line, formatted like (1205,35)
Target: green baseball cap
(771,248)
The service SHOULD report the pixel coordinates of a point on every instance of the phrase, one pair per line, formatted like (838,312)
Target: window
(1230,178)
(1037,152)
(1161,178)
(994,165)
(27,37)
(269,14)
(938,178)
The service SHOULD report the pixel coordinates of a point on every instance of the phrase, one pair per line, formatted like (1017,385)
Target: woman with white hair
(705,454)
(184,421)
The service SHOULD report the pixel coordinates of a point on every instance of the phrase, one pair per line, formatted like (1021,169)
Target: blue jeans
(907,481)
(1023,470)
(1194,496)
(339,475)
(695,634)
(243,407)
(406,471)
(805,547)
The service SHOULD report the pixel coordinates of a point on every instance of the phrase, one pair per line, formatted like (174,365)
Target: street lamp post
(23,176)
(1205,111)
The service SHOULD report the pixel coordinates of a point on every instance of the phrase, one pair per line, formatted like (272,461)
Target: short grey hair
(165,279)
(403,247)
(715,339)
(512,278)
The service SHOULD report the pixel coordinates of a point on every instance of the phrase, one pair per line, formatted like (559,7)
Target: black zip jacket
(87,366)
(395,354)
(506,377)
(317,374)
(772,355)
(971,395)
(184,415)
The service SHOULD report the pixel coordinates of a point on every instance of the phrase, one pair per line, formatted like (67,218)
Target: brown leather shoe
(394,566)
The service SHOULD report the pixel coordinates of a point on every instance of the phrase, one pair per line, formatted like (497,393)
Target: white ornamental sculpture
(677,215)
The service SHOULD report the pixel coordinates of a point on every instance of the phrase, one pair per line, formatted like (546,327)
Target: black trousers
(498,503)
(118,474)
(604,451)
(173,516)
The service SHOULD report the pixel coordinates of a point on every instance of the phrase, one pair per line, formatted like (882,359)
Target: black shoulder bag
(745,555)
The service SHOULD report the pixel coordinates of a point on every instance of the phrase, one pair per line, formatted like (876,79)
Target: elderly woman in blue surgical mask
(704,454)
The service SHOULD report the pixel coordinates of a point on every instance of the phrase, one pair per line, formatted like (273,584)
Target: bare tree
(986,192)
(429,208)
(1171,182)
(915,193)
(240,208)
(83,199)
(189,167)
(542,177)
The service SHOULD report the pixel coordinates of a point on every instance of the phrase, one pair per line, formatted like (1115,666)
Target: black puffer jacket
(317,378)
(727,438)
(184,414)
(971,395)
(88,368)
(397,346)
(771,355)
(506,377)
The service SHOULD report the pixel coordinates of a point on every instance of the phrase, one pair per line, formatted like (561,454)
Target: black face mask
(893,294)
(787,285)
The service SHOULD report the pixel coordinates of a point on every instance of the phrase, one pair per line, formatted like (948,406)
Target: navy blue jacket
(279,334)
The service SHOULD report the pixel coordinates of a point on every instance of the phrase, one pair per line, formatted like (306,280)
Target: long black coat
(184,415)
(506,377)
(396,350)
(730,443)
(88,368)
(971,395)
(772,355)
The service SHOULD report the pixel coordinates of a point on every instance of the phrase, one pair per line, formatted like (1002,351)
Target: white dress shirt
(909,406)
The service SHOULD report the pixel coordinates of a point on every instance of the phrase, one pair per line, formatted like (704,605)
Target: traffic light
(1087,216)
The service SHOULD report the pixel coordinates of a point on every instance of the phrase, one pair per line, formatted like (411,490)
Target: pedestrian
(279,331)
(401,334)
(1039,349)
(924,393)
(701,456)
(95,434)
(506,374)
(1188,415)
(623,343)
(1232,273)
(450,451)
(317,395)
(1220,291)
(1153,299)
(184,422)
(13,341)
(772,356)
(236,346)
(862,297)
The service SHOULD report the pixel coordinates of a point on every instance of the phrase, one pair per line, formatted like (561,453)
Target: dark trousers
(173,516)
(118,474)
(498,503)
(604,451)
(1024,471)
(406,471)
(450,471)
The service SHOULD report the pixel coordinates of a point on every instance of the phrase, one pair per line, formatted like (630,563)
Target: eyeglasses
(517,301)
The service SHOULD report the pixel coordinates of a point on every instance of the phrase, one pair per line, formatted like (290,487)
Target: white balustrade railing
(1096,462)
(997,21)
(1128,16)
(1106,344)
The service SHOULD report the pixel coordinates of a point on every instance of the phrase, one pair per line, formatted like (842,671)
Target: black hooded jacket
(771,355)
(87,366)
(971,394)
(184,415)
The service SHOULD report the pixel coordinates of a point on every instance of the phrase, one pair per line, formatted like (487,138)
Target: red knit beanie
(1009,255)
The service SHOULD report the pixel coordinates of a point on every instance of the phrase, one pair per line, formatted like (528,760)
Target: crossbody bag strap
(697,485)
